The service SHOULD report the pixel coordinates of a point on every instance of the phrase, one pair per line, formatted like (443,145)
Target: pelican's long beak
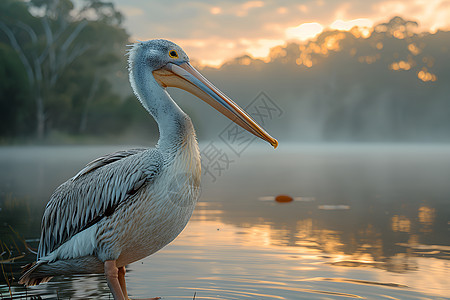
(184,76)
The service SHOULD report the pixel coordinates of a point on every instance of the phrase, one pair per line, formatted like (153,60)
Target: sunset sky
(214,31)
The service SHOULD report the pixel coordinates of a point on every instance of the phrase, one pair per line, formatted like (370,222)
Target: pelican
(127,205)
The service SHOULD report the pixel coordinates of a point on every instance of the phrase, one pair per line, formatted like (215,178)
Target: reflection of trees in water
(381,239)
(426,218)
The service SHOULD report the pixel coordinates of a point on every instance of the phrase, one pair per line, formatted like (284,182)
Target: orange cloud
(304,31)
(214,33)
(347,25)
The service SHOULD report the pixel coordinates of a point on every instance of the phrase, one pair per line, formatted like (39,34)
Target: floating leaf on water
(284,198)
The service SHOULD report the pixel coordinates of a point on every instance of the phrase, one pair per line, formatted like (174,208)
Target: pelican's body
(127,205)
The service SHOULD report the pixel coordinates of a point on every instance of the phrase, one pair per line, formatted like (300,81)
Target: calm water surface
(368,222)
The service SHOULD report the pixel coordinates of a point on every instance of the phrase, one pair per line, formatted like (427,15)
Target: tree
(53,38)
(14,107)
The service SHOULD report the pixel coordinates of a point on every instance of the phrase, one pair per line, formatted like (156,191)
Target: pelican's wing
(107,159)
(94,193)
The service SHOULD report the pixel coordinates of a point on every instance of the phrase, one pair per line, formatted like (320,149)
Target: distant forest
(390,86)
(64,79)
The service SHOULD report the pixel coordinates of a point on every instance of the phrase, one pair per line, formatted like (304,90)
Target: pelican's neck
(175,127)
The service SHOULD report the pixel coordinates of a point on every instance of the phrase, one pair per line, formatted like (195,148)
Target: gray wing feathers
(95,191)
(107,159)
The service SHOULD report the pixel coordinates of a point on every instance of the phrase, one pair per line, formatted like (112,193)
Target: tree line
(57,65)
(388,83)
(63,73)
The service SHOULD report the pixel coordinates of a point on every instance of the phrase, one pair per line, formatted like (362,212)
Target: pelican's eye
(173,54)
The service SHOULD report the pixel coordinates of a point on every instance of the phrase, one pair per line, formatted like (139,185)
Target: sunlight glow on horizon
(214,33)
(348,25)
(261,48)
(304,31)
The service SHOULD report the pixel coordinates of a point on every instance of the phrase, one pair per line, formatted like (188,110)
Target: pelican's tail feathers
(42,270)
(31,277)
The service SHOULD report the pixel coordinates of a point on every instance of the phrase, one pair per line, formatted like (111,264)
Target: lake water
(368,222)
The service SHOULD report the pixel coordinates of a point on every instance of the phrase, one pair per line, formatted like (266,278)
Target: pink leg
(123,286)
(112,277)
(122,283)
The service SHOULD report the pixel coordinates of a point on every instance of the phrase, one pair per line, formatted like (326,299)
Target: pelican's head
(155,54)
(171,68)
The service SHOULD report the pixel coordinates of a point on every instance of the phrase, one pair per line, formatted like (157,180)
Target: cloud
(304,31)
(215,10)
(218,30)
(347,25)
(261,47)
(243,10)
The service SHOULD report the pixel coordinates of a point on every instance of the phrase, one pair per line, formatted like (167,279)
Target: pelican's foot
(116,281)
(121,277)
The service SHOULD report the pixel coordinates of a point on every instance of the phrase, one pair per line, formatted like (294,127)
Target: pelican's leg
(122,283)
(112,277)
(123,286)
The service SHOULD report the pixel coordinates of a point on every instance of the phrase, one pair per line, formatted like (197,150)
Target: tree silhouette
(48,43)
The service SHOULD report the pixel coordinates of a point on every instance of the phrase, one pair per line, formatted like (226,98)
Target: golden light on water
(309,247)
(366,246)
(401,224)
(426,215)
(243,244)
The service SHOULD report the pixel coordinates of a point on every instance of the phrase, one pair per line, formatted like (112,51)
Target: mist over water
(367,221)
(388,87)
(363,127)
(362,120)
